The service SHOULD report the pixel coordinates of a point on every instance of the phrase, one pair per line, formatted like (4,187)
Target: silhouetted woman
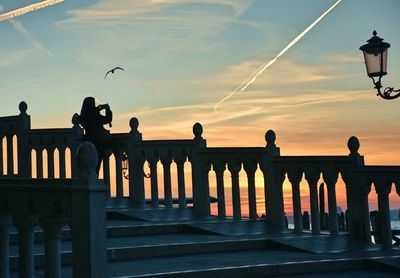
(92,121)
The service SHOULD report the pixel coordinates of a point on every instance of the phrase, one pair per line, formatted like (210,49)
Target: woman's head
(88,105)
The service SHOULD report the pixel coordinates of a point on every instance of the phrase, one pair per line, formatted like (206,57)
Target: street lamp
(375,56)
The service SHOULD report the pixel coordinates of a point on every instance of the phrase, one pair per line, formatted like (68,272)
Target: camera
(104,106)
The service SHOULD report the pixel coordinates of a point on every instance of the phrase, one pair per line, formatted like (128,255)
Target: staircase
(181,243)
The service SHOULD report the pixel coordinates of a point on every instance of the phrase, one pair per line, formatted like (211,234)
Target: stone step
(249,263)
(143,247)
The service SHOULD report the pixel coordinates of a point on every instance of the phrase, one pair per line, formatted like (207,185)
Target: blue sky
(182,57)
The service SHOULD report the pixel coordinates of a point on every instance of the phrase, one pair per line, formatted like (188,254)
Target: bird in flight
(112,71)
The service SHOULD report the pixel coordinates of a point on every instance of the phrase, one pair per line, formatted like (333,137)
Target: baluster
(52,227)
(50,162)
(219,168)
(383,188)
(1,156)
(180,162)
(154,180)
(118,173)
(39,163)
(106,174)
(312,177)
(61,158)
(294,176)
(5,223)
(330,177)
(10,155)
(250,167)
(166,162)
(25,227)
(234,167)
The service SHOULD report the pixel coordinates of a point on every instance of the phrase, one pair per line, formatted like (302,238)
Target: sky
(182,57)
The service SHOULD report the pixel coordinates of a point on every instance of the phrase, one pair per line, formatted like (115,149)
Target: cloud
(27,9)
(12,58)
(26,35)
(347,58)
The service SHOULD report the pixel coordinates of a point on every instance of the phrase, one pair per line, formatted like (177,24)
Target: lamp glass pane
(376,63)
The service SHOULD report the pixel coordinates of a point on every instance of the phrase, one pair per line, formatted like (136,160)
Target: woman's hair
(88,105)
(87,118)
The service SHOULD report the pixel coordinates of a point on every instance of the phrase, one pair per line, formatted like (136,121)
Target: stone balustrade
(52,204)
(194,157)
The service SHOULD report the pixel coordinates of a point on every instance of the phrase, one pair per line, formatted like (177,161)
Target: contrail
(29,8)
(260,70)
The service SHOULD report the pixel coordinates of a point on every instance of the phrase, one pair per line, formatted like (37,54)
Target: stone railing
(53,204)
(275,168)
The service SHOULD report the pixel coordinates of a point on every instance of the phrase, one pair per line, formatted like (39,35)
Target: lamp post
(375,56)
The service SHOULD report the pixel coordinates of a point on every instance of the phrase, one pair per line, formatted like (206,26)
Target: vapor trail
(260,70)
(29,8)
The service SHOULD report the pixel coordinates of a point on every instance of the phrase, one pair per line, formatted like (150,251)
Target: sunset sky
(181,57)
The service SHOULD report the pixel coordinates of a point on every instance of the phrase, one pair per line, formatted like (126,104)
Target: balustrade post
(383,188)
(180,162)
(154,180)
(273,181)
(52,227)
(357,190)
(294,176)
(330,178)
(10,155)
(5,223)
(234,167)
(200,168)
(88,227)
(312,178)
(250,168)
(24,155)
(166,163)
(25,227)
(219,168)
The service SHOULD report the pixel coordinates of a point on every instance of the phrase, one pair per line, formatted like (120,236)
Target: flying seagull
(112,71)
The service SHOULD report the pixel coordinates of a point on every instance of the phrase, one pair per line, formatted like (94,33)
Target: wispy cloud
(26,35)
(27,9)
(246,83)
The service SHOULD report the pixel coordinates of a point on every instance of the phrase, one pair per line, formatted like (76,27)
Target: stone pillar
(25,227)
(250,168)
(107,178)
(219,168)
(234,167)
(88,227)
(166,162)
(330,178)
(52,227)
(154,181)
(312,177)
(50,162)
(294,176)
(5,223)
(180,161)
